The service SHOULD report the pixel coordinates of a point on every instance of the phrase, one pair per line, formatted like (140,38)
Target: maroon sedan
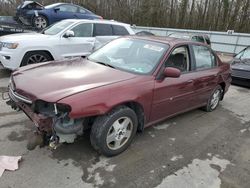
(127,85)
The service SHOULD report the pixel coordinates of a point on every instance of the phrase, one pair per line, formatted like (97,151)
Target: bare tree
(194,14)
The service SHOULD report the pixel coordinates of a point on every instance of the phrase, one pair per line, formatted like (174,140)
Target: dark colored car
(39,16)
(7,20)
(194,37)
(127,85)
(241,68)
(145,33)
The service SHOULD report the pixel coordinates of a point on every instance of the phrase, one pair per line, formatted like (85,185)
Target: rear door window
(83,30)
(67,8)
(82,11)
(207,40)
(102,30)
(203,57)
(198,39)
(119,30)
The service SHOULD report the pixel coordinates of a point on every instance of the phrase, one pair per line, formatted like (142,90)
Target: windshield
(245,54)
(56,28)
(132,55)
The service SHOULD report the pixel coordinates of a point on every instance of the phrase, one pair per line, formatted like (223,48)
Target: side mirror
(56,9)
(172,72)
(68,34)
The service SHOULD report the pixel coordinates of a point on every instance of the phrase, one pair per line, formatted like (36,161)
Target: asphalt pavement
(195,149)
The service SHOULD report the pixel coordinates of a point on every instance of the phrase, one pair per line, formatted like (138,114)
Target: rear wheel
(40,22)
(112,133)
(35,57)
(214,99)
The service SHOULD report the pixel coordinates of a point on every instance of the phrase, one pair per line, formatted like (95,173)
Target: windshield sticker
(138,70)
(152,47)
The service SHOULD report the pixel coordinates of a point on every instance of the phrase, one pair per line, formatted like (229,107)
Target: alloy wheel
(215,99)
(37,58)
(119,133)
(40,22)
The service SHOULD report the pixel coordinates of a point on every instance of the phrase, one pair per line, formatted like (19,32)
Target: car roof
(57,4)
(113,22)
(25,3)
(187,35)
(166,40)
(181,35)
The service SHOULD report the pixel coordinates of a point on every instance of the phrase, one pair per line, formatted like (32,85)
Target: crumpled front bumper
(43,123)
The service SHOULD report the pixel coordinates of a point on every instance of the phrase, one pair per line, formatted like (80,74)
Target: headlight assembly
(50,109)
(9,45)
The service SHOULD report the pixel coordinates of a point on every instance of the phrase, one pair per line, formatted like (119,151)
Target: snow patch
(151,134)
(98,179)
(172,139)
(200,173)
(162,126)
(243,130)
(102,164)
(177,157)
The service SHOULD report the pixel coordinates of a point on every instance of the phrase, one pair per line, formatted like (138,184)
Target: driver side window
(83,30)
(179,59)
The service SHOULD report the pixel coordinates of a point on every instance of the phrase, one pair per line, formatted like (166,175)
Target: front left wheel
(112,133)
(35,57)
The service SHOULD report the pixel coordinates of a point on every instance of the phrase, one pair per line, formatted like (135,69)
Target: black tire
(29,55)
(103,125)
(210,105)
(40,22)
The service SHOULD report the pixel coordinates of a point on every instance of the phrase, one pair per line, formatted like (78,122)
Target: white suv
(65,39)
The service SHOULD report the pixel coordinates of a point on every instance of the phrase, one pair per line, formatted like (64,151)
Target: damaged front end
(52,120)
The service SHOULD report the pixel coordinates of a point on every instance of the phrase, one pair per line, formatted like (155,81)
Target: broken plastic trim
(5,95)
(50,109)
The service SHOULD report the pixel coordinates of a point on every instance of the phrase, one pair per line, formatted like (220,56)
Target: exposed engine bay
(54,126)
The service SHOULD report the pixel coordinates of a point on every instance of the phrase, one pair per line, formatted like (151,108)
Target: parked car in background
(127,85)
(39,16)
(65,39)
(194,37)
(241,67)
(7,19)
(145,33)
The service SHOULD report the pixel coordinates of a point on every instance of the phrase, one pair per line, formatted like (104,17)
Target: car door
(174,95)
(65,11)
(206,75)
(81,44)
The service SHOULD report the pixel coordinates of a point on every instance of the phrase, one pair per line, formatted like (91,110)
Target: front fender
(100,100)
